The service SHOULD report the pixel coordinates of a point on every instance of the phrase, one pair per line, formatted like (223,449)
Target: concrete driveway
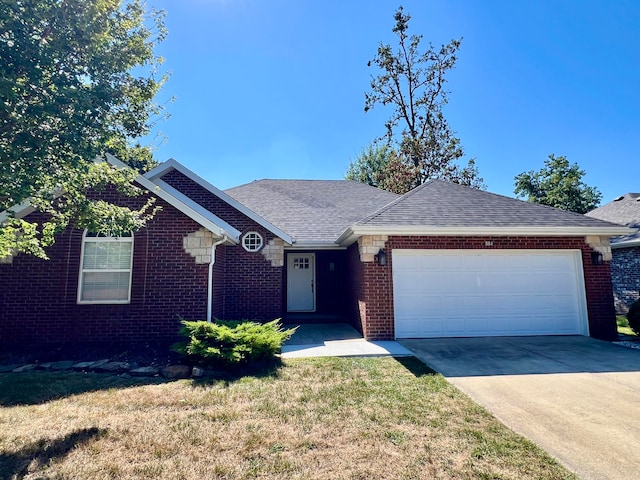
(576,397)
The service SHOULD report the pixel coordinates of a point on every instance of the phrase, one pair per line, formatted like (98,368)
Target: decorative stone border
(108,366)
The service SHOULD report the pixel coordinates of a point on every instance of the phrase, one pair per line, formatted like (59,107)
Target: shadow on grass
(33,388)
(35,456)
(229,375)
(415,366)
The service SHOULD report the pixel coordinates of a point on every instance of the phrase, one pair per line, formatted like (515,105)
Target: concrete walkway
(336,340)
(576,397)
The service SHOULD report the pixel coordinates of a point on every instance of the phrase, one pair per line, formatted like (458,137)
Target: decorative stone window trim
(252,241)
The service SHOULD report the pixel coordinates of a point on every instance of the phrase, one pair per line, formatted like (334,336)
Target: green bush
(634,317)
(231,342)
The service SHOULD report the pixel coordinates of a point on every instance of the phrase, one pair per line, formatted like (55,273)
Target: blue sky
(275,89)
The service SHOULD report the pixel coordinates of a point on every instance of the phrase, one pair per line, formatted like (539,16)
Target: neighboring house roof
(314,212)
(442,208)
(624,210)
(155,175)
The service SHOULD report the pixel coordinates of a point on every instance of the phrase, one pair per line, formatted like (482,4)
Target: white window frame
(252,234)
(102,239)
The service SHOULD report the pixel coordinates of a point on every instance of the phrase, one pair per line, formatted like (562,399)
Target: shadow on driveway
(489,356)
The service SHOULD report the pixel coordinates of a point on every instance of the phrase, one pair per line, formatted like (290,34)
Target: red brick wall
(38,298)
(373,286)
(253,289)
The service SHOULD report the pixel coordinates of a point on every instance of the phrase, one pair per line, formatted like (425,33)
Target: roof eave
(17,211)
(352,233)
(315,245)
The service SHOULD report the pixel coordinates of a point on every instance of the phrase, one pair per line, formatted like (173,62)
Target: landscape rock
(176,371)
(197,372)
(99,363)
(82,366)
(25,368)
(112,367)
(144,372)
(44,366)
(63,365)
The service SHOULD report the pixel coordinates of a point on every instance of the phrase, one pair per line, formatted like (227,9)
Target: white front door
(301,279)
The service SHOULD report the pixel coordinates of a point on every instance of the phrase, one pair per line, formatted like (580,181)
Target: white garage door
(471,293)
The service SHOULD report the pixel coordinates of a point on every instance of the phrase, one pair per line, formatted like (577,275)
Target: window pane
(107,255)
(111,286)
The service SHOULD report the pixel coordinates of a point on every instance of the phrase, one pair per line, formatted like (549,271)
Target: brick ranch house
(625,264)
(441,261)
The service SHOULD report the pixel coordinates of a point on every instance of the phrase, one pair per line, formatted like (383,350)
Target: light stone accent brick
(600,244)
(198,244)
(274,252)
(370,245)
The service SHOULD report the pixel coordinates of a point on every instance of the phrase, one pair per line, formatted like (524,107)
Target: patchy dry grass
(323,418)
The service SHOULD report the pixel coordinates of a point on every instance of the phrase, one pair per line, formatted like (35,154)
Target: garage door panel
(483,293)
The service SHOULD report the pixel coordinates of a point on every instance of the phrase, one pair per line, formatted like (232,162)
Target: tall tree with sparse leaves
(78,79)
(558,184)
(412,82)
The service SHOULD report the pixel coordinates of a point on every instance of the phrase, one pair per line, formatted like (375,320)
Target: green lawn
(324,418)
(623,325)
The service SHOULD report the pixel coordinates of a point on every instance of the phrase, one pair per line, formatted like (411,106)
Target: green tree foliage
(77,80)
(412,82)
(380,166)
(558,184)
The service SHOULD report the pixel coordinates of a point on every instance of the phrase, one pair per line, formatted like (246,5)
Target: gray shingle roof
(624,210)
(442,204)
(311,210)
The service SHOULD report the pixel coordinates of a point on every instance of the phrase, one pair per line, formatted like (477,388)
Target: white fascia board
(234,232)
(187,206)
(315,246)
(161,169)
(17,211)
(354,232)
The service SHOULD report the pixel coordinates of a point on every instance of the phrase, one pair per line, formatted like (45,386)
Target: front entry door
(301,279)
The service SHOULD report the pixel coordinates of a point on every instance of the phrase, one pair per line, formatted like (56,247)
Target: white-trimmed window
(105,269)
(252,241)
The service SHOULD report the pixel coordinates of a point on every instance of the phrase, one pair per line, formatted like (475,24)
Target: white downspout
(210,280)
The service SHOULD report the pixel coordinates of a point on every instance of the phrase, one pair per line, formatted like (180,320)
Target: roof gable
(187,206)
(155,175)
